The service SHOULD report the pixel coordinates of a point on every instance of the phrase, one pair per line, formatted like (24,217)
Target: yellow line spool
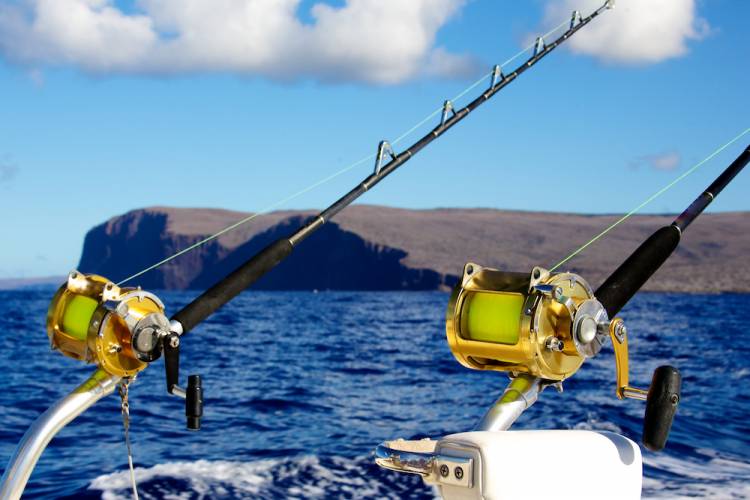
(492,317)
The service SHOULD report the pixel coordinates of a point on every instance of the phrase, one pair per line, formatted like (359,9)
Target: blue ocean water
(300,387)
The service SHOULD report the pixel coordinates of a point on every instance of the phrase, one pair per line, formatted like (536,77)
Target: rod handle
(661,406)
(632,274)
(237,281)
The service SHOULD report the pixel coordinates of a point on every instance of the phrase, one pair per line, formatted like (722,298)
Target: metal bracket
(447,108)
(497,75)
(575,18)
(421,458)
(619,335)
(47,425)
(519,395)
(383,148)
(539,45)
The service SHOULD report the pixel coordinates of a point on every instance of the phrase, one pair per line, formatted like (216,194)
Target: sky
(108,106)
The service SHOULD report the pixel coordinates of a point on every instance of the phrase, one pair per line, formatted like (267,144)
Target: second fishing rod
(275,253)
(124,328)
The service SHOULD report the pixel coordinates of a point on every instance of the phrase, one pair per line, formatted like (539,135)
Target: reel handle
(661,406)
(194,402)
(172,362)
(193,395)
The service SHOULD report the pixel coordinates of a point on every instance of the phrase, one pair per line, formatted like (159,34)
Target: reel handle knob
(194,402)
(661,405)
(193,394)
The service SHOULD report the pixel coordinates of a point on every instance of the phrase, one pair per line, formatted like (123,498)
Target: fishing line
(475,85)
(334,175)
(125,409)
(650,199)
(249,218)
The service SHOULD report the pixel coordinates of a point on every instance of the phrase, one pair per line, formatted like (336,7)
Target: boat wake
(303,477)
(667,477)
(275,430)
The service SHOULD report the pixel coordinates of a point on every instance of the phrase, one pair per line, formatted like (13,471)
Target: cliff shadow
(330,259)
(139,239)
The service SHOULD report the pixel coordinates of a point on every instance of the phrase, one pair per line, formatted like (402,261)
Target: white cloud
(669,160)
(377,41)
(635,31)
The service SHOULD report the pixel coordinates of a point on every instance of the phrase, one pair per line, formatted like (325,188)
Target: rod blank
(268,258)
(632,274)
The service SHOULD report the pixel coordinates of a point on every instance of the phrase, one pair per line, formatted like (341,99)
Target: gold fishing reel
(546,325)
(122,330)
(540,323)
(93,320)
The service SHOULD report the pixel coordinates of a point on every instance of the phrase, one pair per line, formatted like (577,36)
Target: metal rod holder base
(46,426)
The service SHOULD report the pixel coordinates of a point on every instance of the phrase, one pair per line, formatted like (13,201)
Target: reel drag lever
(662,397)
(193,395)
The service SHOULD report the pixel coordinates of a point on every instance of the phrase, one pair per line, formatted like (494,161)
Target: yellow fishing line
(650,199)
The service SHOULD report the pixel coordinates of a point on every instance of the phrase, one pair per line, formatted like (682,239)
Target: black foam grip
(622,284)
(661,405)
(237,281)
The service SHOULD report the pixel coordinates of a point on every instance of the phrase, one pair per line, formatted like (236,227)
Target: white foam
(203,476)
(715,477)
(594,424)
(208,479)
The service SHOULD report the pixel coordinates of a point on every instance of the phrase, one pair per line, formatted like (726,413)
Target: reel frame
(93,320)
(559,325)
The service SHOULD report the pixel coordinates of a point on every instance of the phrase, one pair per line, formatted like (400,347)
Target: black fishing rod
(632,274)
(123,329)
(273,254)
(539,328)
(664,393)
(542,326)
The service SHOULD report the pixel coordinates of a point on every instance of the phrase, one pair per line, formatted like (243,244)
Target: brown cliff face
(383,248)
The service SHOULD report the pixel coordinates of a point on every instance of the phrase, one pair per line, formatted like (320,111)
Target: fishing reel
(541,324)
(546,325)
(540,328)
(122,330)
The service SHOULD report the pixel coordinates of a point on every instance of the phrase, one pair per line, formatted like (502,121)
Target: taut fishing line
(334,175)
(650,199)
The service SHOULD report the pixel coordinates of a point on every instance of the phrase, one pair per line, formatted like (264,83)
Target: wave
(298,478)
(668,477)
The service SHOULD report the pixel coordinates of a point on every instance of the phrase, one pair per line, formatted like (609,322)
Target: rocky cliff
(382,248)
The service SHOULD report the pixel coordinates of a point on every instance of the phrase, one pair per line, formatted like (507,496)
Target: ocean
(300,387)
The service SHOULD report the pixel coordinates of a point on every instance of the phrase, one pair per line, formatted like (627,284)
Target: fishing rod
(124,329)
(540,328)
(275,253)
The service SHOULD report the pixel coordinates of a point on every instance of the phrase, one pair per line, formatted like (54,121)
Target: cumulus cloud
(376,41)
(635,31)
(667,161)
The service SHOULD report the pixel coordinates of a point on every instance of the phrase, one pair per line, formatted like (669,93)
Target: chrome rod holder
(521,393)
(46,426)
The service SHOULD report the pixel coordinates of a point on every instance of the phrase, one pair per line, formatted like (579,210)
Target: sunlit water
(300,387)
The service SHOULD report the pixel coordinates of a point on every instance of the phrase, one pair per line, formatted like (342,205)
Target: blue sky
(599,126)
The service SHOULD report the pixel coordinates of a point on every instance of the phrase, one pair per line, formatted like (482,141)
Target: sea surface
(300,387)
